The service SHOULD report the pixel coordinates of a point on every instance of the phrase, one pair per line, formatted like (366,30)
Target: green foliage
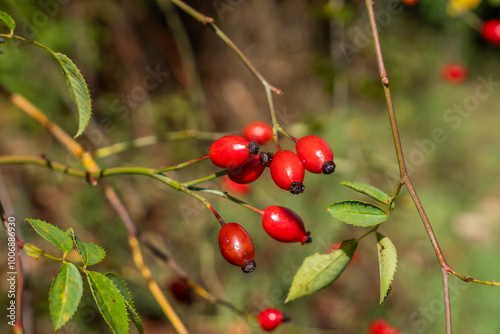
(387,259)
(109,300)
(52,234)
(371,191)
(78,89)
(65,294)
(8,21)
(357,213)
(320,270)
(89,252)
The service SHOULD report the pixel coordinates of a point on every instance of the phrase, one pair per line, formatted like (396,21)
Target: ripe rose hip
(232,151)
(287,171)
(248,173)
(284,225)
(380,326)
(236,246)
(270,318)
(454,73)
(261,132)
(316,154)
(491,31)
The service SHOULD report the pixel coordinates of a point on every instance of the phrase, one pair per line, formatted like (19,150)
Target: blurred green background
(153,69)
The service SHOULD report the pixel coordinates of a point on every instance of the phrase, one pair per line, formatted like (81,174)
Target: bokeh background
(320,54)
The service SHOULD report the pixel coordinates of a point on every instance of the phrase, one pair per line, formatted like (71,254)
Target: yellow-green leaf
(89,253)
(65,294)
(129,302)
(368,190)
(52,234)
(320,270)
(387,259)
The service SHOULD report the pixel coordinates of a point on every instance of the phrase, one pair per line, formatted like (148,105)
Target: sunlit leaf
(52,234)
(371,191)
(65,294)
(357,213)
(387,259)
(320,270)
(8,21)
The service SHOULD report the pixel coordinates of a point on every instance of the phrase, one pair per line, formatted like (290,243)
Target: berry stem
(225,195)
(204,179)
(183,164)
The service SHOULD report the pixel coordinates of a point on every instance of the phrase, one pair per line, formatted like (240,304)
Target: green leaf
(110,301)
(129,302)
(52,234)
(65,294)
(320,270)
(79,90)
(89,253)
(371,191)
(8,21)
(357,213)
(387,259)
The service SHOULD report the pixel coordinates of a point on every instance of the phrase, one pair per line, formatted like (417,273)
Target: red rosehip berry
(236,246)
(491,31)
(454,73)
(270,318)
(232,151)
(242,189)
(380,326)
(287,171)
(181,291)
(261,132)
(248,173)
(316,154)
(284,225)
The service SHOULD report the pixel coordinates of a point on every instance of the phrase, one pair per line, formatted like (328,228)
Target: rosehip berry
(270,318)
(380,326)
(232,151)
(242,189)
(287,171)
(316,154)
(248,173)
(284,225)
(454,73)
(491,31)
(236,246)
(261,132)
(181,291)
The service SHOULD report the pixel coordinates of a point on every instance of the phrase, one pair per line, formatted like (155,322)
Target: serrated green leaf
(368,190)
(357,213)
(120,284)
(387,259)
(8,21)
(52,234)
(65,294)
(79,90)
(110,301)
(320,270)
(89,253)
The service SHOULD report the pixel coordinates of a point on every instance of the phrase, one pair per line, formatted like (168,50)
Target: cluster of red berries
(238,155)
(491,31)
